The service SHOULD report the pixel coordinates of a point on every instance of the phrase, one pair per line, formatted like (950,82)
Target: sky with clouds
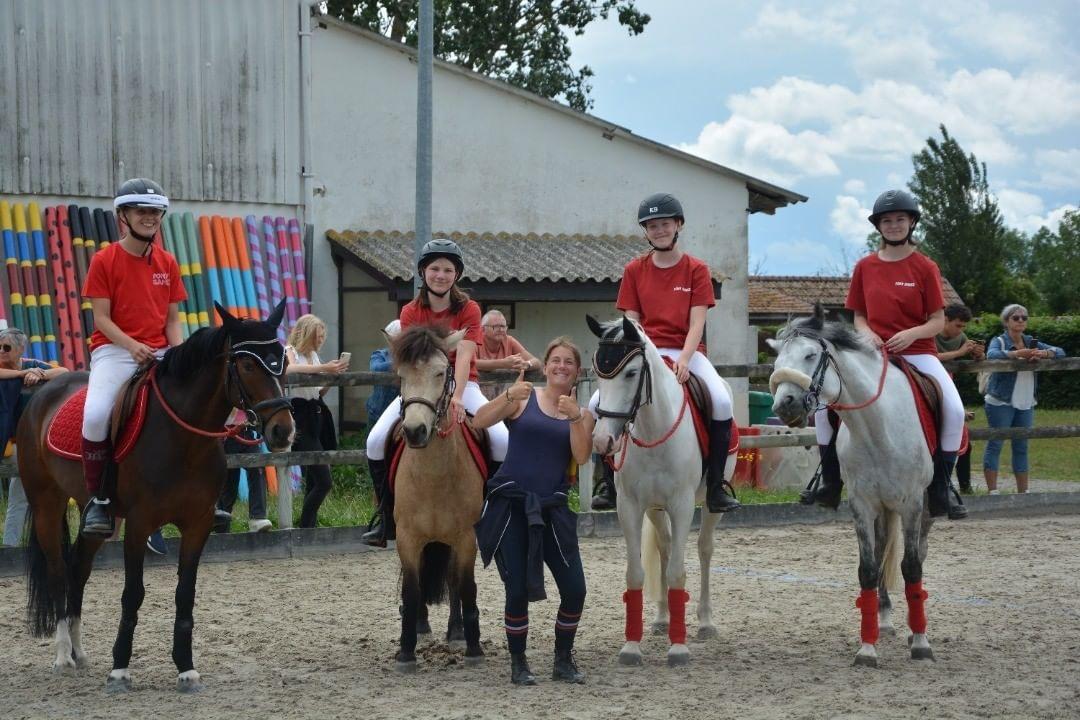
(831,100)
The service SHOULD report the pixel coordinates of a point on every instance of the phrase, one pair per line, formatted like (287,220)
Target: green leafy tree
(1056,264)
(524,42)
(961,226)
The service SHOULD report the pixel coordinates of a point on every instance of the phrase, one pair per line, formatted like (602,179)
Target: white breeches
(110,367)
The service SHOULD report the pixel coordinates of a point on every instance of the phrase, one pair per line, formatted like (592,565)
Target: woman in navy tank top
(526,521)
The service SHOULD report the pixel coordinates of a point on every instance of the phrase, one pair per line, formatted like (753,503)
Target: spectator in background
(1010,396)
(382,395)
(256,482)
(16,373)
(953,344)
(314,424)
(500,351)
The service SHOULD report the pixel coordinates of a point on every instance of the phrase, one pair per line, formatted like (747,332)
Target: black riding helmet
(895,201)
(441,248)
(659,205)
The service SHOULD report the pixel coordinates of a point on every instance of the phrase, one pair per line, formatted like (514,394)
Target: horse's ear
(453,339)
(227,320)
(630,331)
(773,344)
(275,317)
(819,314)
(594,325)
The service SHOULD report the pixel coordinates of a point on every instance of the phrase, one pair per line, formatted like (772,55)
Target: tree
(961,226)
(1056,264)
(524,42)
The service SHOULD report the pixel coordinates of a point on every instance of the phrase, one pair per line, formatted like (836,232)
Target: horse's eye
(811,356)
(631,373)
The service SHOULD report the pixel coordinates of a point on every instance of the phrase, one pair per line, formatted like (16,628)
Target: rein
(813,386)
(231,431)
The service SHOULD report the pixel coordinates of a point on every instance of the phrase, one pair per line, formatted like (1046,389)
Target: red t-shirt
(506,348)
(663,297)
(895,296)
(139,291)
(468,317)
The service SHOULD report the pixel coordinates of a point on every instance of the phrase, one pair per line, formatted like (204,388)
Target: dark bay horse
(439,495)
(173,474)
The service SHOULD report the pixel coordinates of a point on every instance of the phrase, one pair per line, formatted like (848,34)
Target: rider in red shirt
(896,296)
(135,290)
(669,292)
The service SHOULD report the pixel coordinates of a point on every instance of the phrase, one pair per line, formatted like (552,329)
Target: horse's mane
(418,343)
(203,347)
(841,334)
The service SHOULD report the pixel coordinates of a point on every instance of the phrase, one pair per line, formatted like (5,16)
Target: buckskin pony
(171,472)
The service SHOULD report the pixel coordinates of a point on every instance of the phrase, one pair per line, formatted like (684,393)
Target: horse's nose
(416,435)
(280,435)
(784,403)
(602,444)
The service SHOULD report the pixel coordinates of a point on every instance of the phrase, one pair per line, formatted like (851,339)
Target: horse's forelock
(418,343)
(837,332)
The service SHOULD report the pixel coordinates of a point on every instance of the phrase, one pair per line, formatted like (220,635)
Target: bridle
(812,384)
(252,411)
(441,405)
(631,350)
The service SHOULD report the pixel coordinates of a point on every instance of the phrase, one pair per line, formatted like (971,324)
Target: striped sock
(517,631)
(566,624)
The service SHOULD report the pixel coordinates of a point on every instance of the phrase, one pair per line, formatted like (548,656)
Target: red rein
(880,385)
(644,444)
(232,431)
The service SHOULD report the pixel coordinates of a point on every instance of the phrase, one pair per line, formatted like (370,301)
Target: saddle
(477,440)
(701,410)
(928,402)
(64,435)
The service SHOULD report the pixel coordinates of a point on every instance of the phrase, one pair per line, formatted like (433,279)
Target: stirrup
(99,529)
(806,497)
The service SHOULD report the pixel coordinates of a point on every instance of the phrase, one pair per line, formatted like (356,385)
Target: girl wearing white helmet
(135,291)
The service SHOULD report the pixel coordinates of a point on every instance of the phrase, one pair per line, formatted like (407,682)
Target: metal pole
(424,63)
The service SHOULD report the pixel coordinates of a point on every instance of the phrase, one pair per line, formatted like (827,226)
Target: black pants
(512,558)
(256,479)
(317,481)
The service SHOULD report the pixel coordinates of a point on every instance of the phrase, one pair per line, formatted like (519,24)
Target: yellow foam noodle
(34,212)
(5,214)
(20,218)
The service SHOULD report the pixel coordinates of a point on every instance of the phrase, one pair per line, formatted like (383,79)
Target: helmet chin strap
(895,243)
(437,294)
(660,249)
(148,242)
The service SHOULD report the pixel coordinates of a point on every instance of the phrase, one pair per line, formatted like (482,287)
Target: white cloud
(855,187)
(1058,168)
(1027,212)
(1028,104)
(848,220)
(1032,37)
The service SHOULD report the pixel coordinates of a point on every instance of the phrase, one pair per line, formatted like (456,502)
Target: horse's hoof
(82,660)
(405,667)
(659,628)
(119,681)
(678,656)
(474,660)
(865,661)
(707,632)
(922,653)
(60,667)
(457,644)
(188,682)
(629,658)
(423,627)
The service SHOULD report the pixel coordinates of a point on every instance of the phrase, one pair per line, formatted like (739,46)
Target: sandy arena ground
(315,638)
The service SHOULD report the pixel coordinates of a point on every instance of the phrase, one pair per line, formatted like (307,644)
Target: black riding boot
(717,498)
(98,521)
(824,489)
(520,674)
(566,669)
(606,496)
(941,492)
(382,526)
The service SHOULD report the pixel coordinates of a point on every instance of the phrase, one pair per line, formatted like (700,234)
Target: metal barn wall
(199,94)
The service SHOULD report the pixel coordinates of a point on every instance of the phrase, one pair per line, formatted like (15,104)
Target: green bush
(1056,389)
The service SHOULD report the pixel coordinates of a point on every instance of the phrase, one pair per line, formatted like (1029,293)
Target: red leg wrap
(634,610)
(677,607)
(916,606)
(868,603)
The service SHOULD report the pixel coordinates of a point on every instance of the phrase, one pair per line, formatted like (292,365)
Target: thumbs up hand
(568,405)
(520,390)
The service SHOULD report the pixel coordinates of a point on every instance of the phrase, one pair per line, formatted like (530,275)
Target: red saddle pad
(65,431)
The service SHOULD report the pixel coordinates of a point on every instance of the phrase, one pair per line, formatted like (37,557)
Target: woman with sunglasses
(1010,396)
(896,297)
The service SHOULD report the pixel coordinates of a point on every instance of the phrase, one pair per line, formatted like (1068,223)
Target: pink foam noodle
(258,271)
(298,266)
(287,271)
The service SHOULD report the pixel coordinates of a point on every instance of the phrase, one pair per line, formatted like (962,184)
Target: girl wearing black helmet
(669,292)
(898,303)
(135,292)
(439,302)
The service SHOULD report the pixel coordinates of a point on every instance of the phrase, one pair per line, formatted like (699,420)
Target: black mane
(204,347)
(418,343)
(841,334)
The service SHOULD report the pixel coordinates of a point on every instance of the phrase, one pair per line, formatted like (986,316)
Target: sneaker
(260,525)
(220,515)
(156,543)
(993,492)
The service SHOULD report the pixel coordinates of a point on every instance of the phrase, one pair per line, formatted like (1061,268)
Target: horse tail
(434,573)
(894,550)
(650,559)
(46,592)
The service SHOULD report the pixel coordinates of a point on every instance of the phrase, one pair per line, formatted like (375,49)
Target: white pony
(884,461)
(645,420)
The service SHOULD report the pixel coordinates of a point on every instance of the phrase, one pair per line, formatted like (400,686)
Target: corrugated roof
(781,294)
(502,257)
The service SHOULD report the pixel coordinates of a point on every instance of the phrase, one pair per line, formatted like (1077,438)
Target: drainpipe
(307,176)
